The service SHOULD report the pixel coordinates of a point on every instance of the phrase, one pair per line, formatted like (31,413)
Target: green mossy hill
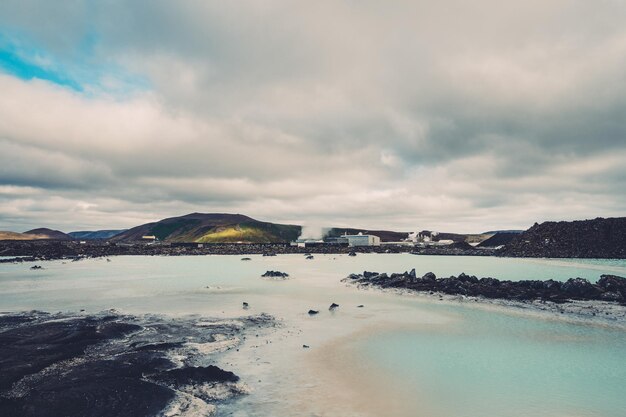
(213,228)
(258,233)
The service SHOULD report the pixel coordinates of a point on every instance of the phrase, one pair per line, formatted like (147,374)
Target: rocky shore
(608,288)
(115,365)
(578,296)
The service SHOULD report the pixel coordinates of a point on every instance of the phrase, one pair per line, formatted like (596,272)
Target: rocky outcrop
(597,238)
(608,288)
(110,365)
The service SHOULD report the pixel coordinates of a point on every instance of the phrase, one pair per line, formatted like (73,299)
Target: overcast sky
(409,115)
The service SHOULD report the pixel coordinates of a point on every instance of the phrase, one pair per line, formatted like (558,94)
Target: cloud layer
(452,116)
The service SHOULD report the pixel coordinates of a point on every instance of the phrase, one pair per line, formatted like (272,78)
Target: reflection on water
(397,353)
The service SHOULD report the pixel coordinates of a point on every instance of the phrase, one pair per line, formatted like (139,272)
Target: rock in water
(313,312)
(275,274)
(333,306)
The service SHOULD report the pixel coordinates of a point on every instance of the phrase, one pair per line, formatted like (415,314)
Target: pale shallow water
(399,355)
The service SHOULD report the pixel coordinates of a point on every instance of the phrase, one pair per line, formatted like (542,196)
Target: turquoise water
(498,365)
(433,359)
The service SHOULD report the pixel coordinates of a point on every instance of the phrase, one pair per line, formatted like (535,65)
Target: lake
(397,355)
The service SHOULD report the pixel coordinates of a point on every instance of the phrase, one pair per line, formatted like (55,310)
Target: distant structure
(303,243)
(327,241)
(362,240)
(343,240)
(148,238)
(427,238)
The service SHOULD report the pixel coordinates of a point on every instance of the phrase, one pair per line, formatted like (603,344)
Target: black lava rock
(597,238)
(608,288)
(275,274)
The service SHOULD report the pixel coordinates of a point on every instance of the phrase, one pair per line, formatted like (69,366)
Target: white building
(362,240)
(302,243)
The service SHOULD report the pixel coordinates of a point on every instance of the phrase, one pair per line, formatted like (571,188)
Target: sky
(407,115)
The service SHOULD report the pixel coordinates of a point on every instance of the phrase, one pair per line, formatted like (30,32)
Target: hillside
(35,234)
(212,228)
(95,234)
(5,235)
(597,238)
(514,231)
(46,233)
(499,239)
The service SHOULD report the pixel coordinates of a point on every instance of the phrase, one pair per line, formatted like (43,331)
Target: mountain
(35,234)
(212,228)
(97,234)
(45,233)
(597,238)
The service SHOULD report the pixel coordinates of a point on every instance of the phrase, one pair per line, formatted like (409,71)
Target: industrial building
(362,240)
(343,240)
(327,241)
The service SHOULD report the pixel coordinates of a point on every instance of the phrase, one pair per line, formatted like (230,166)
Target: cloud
(408,115)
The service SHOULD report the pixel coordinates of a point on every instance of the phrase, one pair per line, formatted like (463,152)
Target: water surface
(397,355)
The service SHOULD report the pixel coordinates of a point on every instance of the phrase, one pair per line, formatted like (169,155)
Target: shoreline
(15,252)
(32,251)
(116,363)
(575,312)
(604,300)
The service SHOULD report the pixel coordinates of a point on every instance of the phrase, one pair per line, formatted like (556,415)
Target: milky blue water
(498,365)
(398,355)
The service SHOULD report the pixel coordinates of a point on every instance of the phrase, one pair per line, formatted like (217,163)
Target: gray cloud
(406,115)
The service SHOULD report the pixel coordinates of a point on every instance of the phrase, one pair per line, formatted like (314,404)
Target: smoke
(313,232)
